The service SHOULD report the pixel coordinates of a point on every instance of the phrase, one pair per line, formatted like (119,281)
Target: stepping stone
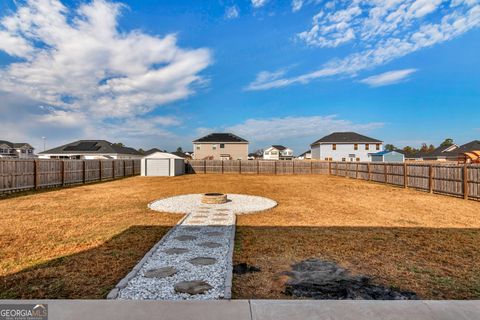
(189,228)
(202,261)
(185,238)
(160,272)
(210,244)
(214,234)
(192,287)
(176,251)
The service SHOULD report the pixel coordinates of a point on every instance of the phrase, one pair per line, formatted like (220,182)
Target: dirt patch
(324,280)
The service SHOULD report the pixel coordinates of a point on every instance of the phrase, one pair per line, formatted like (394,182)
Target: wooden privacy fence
(461,181)
(26,174)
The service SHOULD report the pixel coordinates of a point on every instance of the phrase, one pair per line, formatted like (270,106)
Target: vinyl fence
(461,181)
(19,174)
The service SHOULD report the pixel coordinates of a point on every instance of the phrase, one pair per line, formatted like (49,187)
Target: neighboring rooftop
(279,147)
(221,137)
(181,155)
(346,137)
(471,146)
(15,144)
(91,146)
(151,151)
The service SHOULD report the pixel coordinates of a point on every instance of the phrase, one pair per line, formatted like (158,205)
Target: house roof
(305,153)
(410,155)
(161,155)
(15,144)
(471,146)
(443,151)
(91,147)
(279,147)
(181,155)
(153,150)
(346,137)
(221,137)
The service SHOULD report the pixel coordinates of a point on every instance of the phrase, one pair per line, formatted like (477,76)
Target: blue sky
(161,73)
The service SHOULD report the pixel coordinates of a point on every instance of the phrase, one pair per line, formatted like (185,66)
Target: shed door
(157,167)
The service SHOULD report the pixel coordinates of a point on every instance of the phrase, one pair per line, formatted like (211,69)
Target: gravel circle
(238,203)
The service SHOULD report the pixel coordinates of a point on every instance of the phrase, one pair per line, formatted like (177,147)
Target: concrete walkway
(259,310)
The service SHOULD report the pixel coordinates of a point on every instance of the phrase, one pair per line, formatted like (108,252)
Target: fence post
(293,167)
(222,166)
(204,166)
(84,171)
(125,168)
(356,171)
(430,178)
(100,170)
(63,172)
(465,182)
(311,167)
(113,169)
(405,176)
(258,167)
(330,168)
(36,174)
(385,172)
(369,172)
(275,166)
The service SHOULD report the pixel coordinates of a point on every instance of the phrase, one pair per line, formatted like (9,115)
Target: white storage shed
(162,164)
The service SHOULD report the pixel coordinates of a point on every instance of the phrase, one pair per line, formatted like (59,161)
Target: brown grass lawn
(78,242)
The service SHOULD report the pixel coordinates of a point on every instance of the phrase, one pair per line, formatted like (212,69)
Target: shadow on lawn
(434,263)
(88,274)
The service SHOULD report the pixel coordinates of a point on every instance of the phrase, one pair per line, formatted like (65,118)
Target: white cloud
(258,3)
(388,78)
(381,31)
(89,73)
(297,5)
(232,12)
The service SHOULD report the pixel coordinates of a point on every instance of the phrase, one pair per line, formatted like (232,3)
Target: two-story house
(278,152)
(220,146)
(16,150)
(345,146)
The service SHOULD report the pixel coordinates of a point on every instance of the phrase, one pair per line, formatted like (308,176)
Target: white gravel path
(207,231)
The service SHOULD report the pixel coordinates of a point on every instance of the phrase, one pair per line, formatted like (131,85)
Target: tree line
(424,149)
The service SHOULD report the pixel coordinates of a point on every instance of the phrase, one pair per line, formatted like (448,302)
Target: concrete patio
(258,310)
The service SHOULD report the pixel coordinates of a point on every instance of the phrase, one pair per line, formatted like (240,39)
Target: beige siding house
(220,146)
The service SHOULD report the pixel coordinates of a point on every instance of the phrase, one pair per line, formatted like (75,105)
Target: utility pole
(44,143)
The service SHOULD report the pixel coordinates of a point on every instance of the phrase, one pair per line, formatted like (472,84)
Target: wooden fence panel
(395,174)
(418,176)
(362,171)
(302,167)
(231,166)
(474,182)
(448,179)
(249,166)
(49,173)
(267,167)
(24,174)
(319,167)
(17,175)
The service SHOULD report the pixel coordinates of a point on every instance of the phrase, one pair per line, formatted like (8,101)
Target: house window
(334,147)
(343,159)
(355,146)
(214,147)
(222,145)
(367,147)
(378,146)
(358,159)
(198,147)
(326,159)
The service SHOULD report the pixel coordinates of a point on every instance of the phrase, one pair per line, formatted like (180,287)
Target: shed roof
(161,155)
